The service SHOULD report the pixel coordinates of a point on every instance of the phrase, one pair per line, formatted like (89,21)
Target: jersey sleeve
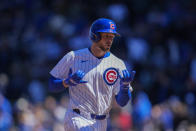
(117,84)
(61,69)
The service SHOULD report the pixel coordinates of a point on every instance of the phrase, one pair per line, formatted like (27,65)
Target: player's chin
(107,48)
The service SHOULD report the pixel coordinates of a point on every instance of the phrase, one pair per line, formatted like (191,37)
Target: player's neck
(97,52)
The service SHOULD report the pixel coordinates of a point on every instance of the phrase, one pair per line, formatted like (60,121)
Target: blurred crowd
(157,40)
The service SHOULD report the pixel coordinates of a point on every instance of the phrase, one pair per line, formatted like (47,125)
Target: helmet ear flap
(95,36)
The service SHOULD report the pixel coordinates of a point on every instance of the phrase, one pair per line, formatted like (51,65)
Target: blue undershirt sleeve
(123,96)
(55,84)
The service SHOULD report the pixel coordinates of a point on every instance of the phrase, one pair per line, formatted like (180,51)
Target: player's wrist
(124,84)
(70,82)
(65,84)
(124,88)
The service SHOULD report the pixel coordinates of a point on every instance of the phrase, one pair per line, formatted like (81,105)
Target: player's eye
(108,36)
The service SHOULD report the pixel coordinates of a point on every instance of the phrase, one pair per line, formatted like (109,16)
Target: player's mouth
(108,44)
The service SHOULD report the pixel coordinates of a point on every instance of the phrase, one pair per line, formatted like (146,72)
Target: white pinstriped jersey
(103,84)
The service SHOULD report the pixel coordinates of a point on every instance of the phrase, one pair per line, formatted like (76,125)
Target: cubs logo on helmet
(110,76)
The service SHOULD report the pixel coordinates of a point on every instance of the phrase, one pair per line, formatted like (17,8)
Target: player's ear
(95,36)
(99,36)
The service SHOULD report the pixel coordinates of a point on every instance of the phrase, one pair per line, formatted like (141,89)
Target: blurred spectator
(125,121)
(141,110)
(36,91)
(5,114)
(135,47)
(193,70)
(118,12)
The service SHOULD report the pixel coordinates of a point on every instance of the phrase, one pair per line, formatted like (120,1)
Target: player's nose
(110,40)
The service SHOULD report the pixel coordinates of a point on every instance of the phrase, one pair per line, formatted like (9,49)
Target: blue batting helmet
(101,25)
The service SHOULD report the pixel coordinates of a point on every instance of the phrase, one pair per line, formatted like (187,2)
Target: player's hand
(127,78)
(76,78)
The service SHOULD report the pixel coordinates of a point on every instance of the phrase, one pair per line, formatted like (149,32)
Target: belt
(93,116)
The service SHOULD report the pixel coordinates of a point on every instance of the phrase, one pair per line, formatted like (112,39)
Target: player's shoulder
(119,63)
(76,53)
(116,59)
(80,51)
(69,54)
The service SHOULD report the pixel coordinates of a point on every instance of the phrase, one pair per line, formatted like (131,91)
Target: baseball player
(95,78)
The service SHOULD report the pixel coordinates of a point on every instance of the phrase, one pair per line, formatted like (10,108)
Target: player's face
(106,41)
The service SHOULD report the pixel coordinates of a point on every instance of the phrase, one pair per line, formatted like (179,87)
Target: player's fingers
(80,75)
(70,71)
(79,72)
(83,74)
(124,74)
(82,81)
(129,93)
(120,76)
(128,74)
(76,76)
(133,74)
